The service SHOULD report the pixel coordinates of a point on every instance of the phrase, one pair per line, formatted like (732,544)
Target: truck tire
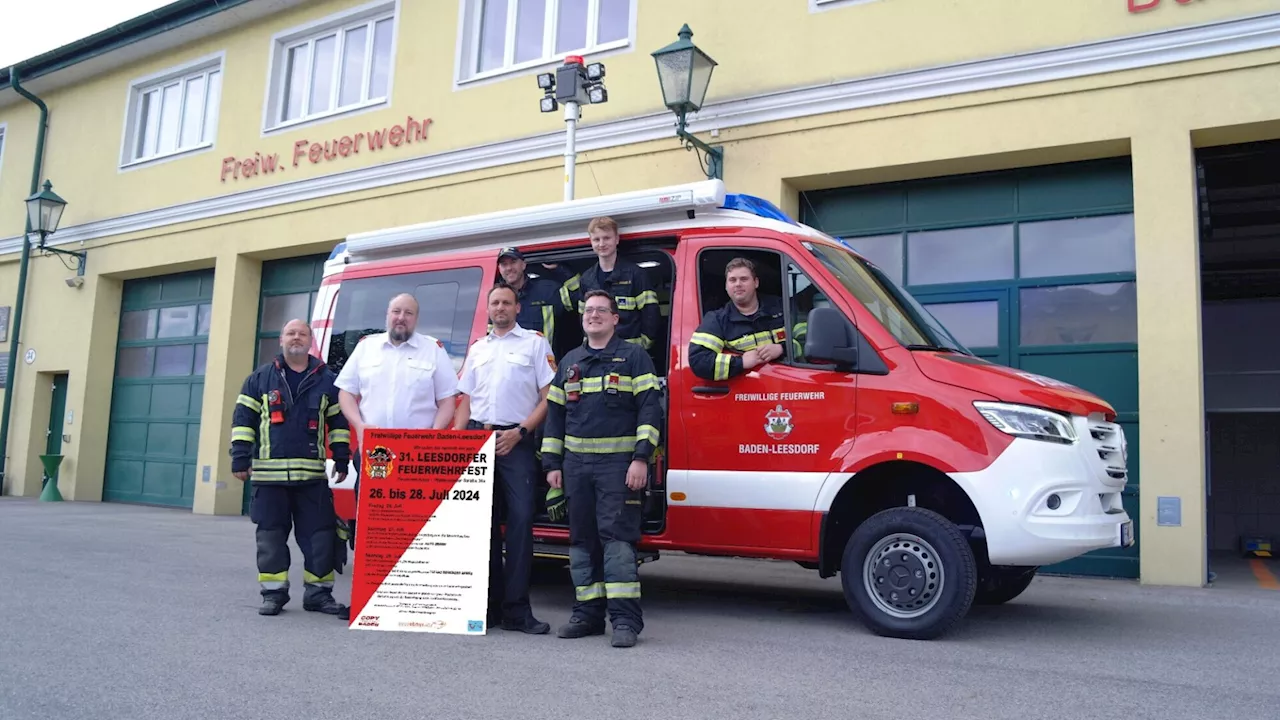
(1000,585)
(909,573)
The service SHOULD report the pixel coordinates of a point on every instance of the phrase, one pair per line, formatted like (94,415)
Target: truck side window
(802,296)
(447,302)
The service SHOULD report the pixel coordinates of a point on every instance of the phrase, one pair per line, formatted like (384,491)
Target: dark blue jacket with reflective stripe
(716,348)
(540,306)
(603,402)
(639,317)
(294,449)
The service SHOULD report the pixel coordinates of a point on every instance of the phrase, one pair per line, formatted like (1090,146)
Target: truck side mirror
(831,339)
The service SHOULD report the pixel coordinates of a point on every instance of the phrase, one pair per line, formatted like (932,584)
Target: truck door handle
(709,390)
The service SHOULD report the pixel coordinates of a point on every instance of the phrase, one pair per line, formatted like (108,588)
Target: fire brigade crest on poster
(423,517)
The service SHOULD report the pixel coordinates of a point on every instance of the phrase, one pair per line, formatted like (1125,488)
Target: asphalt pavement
(114,611)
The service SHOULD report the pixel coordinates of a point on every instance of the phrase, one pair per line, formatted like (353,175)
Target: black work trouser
(307,509)
(604,527)
(515,479)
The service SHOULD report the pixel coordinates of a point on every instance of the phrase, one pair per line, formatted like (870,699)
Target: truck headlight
(1028,422)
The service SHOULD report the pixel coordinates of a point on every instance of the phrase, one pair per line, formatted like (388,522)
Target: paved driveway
(114,611)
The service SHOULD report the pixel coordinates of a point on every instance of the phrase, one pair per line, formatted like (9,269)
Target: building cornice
(1108,56)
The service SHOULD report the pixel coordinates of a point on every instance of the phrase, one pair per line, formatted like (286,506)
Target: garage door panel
(1072,188)
(162,480)
(131,400)
(193,439)
(156,402)
(170,401)
(175,289)
(196,393)
(124,479)
(167,439)
(1109,375)
(957,203)
(127,437)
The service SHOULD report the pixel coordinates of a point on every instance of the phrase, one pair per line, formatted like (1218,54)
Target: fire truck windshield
(895,308)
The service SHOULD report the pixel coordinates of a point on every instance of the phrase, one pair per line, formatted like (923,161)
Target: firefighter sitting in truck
(747,332)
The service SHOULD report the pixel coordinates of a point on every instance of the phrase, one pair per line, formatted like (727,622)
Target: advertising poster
(421,561)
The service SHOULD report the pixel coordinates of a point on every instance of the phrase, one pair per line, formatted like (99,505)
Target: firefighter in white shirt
(399,378)
(504,389)
(396,379)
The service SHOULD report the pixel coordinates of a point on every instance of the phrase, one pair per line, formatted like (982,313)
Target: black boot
(328,606)
(272,605)
(579,628)
(623,637)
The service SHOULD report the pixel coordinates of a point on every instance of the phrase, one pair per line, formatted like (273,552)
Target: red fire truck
(879,449)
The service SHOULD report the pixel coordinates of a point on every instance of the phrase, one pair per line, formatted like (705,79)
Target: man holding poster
(504,389)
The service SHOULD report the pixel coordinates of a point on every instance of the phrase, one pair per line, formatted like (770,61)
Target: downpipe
(16,325)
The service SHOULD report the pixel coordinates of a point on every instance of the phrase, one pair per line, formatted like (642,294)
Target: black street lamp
(44,210)
(684,72)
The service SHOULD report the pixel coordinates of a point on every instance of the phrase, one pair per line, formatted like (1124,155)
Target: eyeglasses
(597,311)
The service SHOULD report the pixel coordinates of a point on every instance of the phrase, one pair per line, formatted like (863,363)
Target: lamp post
(44,211)
(573,84)
(684,72)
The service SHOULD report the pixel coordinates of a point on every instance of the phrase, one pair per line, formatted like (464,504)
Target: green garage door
(1031,268)
(289,289)
(154,432)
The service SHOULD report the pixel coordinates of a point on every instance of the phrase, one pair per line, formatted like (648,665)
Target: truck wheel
(1000,585)
(908,573)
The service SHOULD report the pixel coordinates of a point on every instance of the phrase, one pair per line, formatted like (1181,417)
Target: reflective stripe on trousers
(604,526)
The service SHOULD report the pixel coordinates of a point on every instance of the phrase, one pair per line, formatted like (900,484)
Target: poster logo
(778,423)
(380,463)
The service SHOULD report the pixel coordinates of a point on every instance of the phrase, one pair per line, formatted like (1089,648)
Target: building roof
(164,28)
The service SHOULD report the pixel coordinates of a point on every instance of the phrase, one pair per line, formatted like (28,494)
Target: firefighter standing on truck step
(603,413)
(286,414)
(541,305)
(744,334)
(639,318)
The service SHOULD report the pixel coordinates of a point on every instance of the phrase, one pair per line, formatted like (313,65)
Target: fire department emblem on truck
(777,423)
(379,462)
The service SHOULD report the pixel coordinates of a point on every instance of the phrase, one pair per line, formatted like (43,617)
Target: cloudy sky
(32,28)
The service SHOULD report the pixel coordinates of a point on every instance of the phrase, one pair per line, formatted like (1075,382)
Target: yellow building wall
(800,48)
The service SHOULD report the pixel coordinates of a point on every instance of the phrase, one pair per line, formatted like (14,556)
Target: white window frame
(138,89)
(338,23)
(816,6)
(470,17)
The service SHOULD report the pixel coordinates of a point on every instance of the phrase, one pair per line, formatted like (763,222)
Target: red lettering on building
(259,164)
(1137,6)
(316,151)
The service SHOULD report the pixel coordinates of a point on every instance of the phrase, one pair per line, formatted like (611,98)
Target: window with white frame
(174,112)
(509,35)
(339,64)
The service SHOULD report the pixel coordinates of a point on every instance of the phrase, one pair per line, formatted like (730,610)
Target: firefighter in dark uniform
(639,317)
(747,332)
(541,305)
(285,416)
(603,413)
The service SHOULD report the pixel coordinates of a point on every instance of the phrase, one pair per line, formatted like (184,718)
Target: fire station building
(1087,189)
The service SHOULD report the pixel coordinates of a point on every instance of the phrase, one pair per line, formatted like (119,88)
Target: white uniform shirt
(505,374)
(399,386)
